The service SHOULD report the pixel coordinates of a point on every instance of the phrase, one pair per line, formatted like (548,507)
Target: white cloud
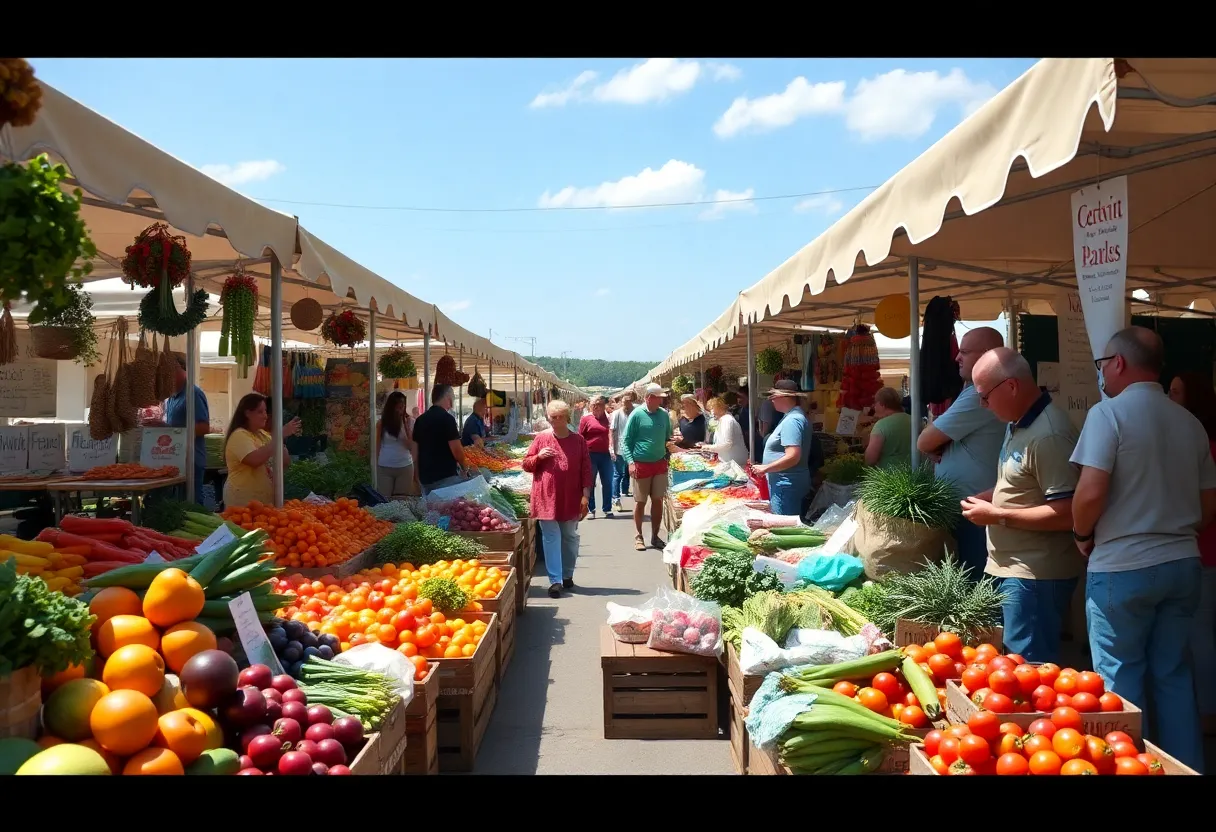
(727,201)
(655,79)
(821,204)
(456,305)
(602,293)
(242,173)
(899,104)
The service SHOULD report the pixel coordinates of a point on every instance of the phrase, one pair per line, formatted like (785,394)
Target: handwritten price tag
(154,557)
(253,637)
(216,539)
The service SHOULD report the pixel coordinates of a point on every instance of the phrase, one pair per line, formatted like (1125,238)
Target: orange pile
(312,536)
(382,606)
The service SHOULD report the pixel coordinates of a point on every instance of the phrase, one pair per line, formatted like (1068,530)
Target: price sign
(253,637)
(154,557)
(216,539)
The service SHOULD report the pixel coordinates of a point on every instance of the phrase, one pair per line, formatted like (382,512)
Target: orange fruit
(181,641)
(121,630)
(112,601)
(123,722)
(135,667)
(154,761)
(183,734)
(173,597)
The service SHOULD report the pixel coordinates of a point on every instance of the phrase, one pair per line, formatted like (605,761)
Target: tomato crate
(1130,720)
(364,560)
(504,605)
(897,761)
(920,763)
(498,559)
(421,727)
(761,762)
(651,695)
(392,740)
(468,690)
(914,632)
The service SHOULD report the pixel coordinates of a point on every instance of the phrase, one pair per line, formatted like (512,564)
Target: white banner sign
(1099,243)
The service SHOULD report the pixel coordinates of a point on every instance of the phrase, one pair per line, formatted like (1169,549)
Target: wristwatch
(1082,538)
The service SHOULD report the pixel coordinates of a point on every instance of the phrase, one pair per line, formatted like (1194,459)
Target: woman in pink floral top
(561,485)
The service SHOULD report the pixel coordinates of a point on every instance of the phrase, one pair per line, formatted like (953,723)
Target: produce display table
(36,484)
(650,695)
(920,762)
(468,692)
(138,489)
(421,727)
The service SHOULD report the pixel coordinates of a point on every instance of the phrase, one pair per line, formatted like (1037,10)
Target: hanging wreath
(153,317)
(343,329)
(239,297)
(396,363)
(157,260)
(20,94)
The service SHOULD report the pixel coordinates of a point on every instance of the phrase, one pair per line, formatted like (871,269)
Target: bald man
(965,442)
(1147,486)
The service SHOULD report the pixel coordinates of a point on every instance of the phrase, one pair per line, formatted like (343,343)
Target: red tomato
(985,653)
(959,667)
(845,689)
(1012,728)
(978,696)
(974,750)
(1066,682)
(942,667)
(1110,702)
(1012,765)
(1009,744)
(1003,681)
(957,730)
(939,765)
(1001,662)
(1049,672)
(1124,749)
(1098,752)
(974,677)
(909,698)
(888,684)
(958,767)
(1043,698)
(932,741)
(1063,700)
(1066,717)
(913,716)
(1130,766)
(1028,678)
(985,724)
(1069,743)
(1043,728)
(998,703)
(948,750)
(1086,703)
(1036,743)
(1152,763)
(1016,658)
(1119,736)
(1090,682)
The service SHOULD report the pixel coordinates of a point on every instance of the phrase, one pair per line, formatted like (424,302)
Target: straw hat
(785,387)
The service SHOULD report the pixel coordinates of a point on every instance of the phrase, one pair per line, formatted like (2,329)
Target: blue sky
(579,138)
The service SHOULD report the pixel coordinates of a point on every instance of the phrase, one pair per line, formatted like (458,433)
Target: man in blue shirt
(786,452)
(475,431)
(175,417)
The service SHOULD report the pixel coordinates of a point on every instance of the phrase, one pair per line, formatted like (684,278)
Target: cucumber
(139,575)
(213,563)
(246,577)
(218,607)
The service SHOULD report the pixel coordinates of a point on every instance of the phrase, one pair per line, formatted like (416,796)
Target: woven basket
(306,314)
(20,701)
(57,343)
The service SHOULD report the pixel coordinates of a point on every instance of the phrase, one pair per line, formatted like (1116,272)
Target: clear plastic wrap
(470,507)
(680,623)
(630,624)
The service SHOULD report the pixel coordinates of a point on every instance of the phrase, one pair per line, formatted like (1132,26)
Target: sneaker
(608,515)
(555,590)
(617,506)
(568,583)
(657,543)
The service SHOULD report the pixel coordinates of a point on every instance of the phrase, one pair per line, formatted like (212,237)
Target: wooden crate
(468,690)
(920,761)
(761,762)
(742,687)
(499,559)
(739,741)
(914,632)
(496,541)
(422,735)
(367,761)
(358,563)
(649,695)
(426,697)
(1129,720)
(504,606)
(526,565)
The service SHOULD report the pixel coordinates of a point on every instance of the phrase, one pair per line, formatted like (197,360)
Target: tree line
(594,372)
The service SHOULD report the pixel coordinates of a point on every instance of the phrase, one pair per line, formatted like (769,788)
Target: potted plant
(343,329)
(64,332)
(904,517)
(682,384)
(769,361)
(396,363)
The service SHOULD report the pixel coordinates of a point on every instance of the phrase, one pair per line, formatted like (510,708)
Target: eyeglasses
(984,396)
(1098,362)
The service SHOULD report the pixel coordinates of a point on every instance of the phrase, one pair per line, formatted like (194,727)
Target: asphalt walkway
(549,718)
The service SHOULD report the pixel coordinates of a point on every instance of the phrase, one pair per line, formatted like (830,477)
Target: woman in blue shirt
(786,451)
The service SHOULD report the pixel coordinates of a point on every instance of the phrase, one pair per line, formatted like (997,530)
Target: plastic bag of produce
(892,544)
(832,572)
(759,654)
(399,670)
(834,517)
(469,507)
(630,624)
(697,521)
(680,623)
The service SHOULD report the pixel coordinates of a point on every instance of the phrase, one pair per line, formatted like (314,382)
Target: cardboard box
(914,632)
(960,708)
(920,761)
(367,761)
(392,740)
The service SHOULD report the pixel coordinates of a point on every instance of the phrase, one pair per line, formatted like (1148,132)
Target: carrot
(98,550)
(51,535)
(113,539)
(97,567)
(94,526)
(74,550)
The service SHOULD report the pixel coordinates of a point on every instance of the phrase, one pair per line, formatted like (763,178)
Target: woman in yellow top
(247,452)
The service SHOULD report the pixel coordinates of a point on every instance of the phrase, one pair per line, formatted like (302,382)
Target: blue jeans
(972,548)
(786,498)
(560,542)
(1034,616)
(601,466)
(620,478)
(1139,628)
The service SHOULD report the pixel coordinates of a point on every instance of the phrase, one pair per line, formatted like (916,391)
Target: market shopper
(786,451)
(561,488)
(395,470)
(247,453)
(728,438)
(1028,513)
(1194,391)
(440,454)
(1147,486)
(693,428)
(890,441)
(965,442)
(475,431)
(620,470)
(594,428)
(644,446)
(175,417)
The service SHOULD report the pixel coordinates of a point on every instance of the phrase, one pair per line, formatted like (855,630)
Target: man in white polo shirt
(1147,485)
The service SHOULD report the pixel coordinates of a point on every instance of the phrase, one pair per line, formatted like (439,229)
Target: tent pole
(914,351)
(460,390)
(191,380)
(276,376)
(751,395)
(1011,319)
(371,412)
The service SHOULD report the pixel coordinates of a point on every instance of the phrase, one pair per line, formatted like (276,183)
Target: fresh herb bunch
(941,595)
(724,578)
(337,478)
(769,361)
(40,628)
(419,544)
(846,469)
(76,314)
(42,235)
(445,594)
(396,363)
(766,581)
(912,494)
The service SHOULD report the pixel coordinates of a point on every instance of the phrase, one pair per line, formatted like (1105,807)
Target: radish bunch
(465,515)
(679,631)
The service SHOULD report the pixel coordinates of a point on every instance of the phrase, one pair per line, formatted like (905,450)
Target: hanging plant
(239,297)
(446,372)
(769,361)
(154,317)
(396,363)
(20,94)
(343,329)
(157,260)
(66,331)
(682,384)
(714,379)
(41,235)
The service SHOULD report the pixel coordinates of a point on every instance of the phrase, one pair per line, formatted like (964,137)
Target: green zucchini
(246,577)
(139,575)
(213,563)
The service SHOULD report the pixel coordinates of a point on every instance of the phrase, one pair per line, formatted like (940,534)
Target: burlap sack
(166,373)
(123,415)
(143,374)
(890,544)
(99,404)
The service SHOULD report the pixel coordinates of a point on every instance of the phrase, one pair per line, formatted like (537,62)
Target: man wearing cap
(644,447)
(175,417)
(786,451)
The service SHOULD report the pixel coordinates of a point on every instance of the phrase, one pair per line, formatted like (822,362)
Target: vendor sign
(1099,241)
(14,450)
(47,451)
(86,453)
(159,447)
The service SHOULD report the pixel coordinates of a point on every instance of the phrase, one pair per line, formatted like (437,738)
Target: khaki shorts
(644,489)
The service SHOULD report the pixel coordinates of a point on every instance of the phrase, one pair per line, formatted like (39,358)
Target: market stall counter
(138,489)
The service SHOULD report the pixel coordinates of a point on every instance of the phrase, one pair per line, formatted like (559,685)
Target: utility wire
(564,207)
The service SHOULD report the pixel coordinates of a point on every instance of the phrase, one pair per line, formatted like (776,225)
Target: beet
(320,768)
(295,695)
(266,750)
(307,747)
(288,730)
(208,679)
(297,711)
(348,730)
(320,714)
(249,734)
(335,770)
(295,763)
(244,762)
(283,683)
(248,771)
(274,710)
(319,731)
(272,695)
(331,753)
(257,675)
(244,708)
